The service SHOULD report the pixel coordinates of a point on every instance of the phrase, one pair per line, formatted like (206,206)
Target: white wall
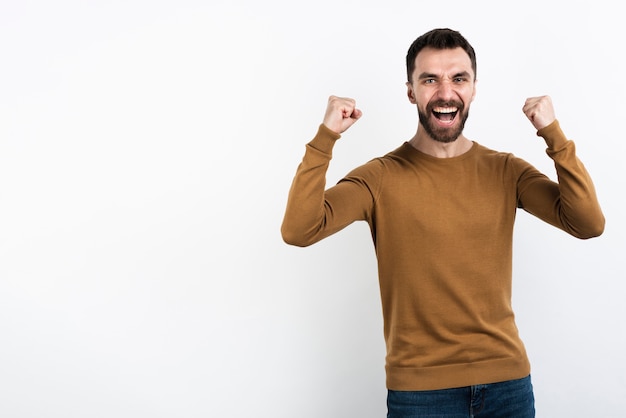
(146,151)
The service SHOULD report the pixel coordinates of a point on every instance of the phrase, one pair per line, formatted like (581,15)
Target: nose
(445,90)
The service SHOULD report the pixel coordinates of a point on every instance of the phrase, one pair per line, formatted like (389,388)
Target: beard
(445,135)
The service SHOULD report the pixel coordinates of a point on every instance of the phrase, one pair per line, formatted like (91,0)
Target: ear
(409,92)
(474,92)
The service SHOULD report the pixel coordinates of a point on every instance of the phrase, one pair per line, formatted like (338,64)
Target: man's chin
(446,135)
(445,140)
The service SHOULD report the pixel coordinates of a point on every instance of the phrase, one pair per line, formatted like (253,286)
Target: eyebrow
(431,75)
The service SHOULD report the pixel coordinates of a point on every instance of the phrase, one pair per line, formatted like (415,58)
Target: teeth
(445,109)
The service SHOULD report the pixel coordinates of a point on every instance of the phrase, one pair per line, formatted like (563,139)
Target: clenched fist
(539,111)
(341,113)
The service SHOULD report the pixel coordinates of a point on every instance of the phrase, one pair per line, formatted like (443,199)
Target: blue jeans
(510,399)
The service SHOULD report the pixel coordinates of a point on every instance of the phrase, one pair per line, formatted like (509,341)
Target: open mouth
(445,114)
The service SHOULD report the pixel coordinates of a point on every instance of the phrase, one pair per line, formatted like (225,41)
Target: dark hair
(438,39)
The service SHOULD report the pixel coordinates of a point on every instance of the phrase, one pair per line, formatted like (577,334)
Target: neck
(424,143)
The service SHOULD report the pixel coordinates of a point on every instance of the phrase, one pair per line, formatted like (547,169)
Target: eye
(460,79)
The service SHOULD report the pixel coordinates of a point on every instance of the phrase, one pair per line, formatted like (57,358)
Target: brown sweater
(443,231)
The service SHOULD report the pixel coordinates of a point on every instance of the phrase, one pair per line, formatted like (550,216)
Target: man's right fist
(341,113)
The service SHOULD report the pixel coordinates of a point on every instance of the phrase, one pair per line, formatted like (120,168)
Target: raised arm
(571,203)
(312,212)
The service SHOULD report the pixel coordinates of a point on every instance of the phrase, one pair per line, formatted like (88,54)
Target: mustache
(445,103)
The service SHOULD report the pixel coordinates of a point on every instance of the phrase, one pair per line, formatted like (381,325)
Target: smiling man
(442,85)
(441,210)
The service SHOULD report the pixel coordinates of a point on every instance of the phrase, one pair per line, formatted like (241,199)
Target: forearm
(575,207)
(305,213)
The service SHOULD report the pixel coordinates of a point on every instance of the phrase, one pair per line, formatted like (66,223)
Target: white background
(146,152)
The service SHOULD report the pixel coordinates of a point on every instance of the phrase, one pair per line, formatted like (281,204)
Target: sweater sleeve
(571,204)
(312,212)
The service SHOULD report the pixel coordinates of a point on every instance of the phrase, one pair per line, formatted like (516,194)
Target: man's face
(443,87)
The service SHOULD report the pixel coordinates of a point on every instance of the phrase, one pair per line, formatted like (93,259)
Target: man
(441,210)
